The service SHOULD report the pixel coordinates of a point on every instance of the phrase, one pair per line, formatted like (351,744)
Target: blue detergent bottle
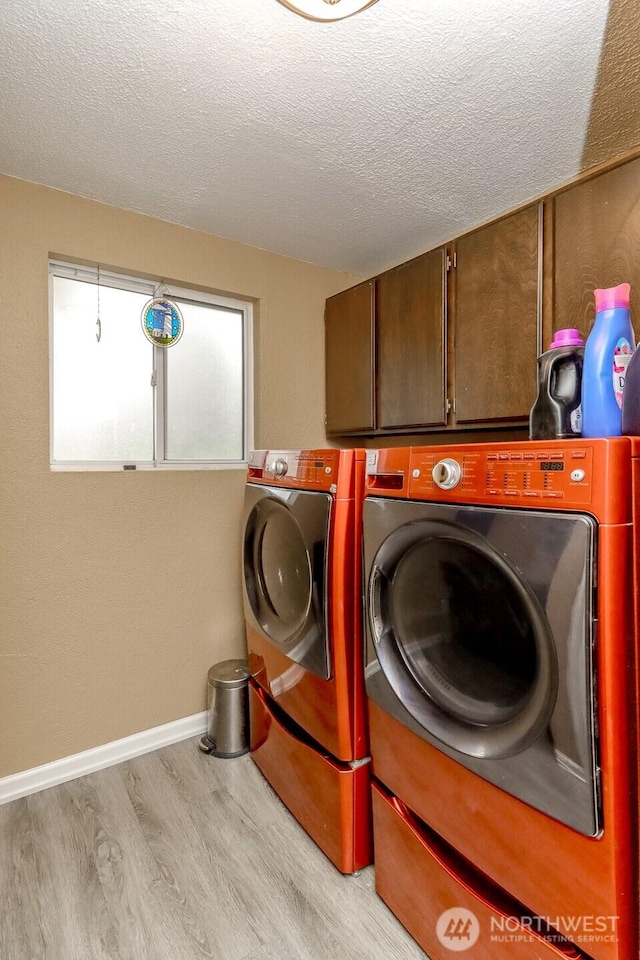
(609,348)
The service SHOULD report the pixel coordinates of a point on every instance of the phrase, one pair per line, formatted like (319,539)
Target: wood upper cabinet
(410,343)
(496,319)
(404,348)
(597,244)
(349,370)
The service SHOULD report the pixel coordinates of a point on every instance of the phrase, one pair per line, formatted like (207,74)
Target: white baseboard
(70,768)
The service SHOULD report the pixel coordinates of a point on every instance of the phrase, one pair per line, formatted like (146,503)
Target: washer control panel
(487,471)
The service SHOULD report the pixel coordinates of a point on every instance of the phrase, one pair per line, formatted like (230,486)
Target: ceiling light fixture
(327,9)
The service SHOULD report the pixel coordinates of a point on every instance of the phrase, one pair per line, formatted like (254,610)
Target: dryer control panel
(302,469)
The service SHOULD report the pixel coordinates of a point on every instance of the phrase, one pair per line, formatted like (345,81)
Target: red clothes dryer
(500,672)
(302,600)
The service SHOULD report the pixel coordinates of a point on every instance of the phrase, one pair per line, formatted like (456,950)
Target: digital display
(552,465)
(319,463)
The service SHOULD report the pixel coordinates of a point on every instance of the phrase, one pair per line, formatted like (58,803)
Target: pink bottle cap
(569,337)
(612,297)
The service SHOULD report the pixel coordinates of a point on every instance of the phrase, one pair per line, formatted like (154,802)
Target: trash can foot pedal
(209,747)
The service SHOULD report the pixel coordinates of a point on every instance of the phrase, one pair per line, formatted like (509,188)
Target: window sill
(77,467)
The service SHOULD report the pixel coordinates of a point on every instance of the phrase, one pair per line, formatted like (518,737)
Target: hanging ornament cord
(98,322)
(161,291)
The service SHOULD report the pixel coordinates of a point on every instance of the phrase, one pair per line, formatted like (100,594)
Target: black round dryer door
(285,555)
(463,642)
(283,569)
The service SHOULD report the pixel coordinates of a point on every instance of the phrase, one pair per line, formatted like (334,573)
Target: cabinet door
(497,318)
(597,244)
(410,343)
(349,368)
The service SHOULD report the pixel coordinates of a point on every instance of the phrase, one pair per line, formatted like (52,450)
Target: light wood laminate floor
(179,856)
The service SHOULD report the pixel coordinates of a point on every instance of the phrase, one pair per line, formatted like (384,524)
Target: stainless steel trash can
(228,706)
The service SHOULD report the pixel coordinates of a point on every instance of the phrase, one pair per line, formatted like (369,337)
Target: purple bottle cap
(569,337)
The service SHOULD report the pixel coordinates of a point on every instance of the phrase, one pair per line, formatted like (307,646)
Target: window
(118,401)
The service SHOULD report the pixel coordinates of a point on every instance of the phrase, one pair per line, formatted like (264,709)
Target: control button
(327,469)
(447,473)
(577,475)
(492,456)
(415,473)
(579,455)
(512,493)
(530,493)
(503,456)
(279,467)
(557,456)
(557,494)
(528,456)
(493,493)
(542,456)
(516,456)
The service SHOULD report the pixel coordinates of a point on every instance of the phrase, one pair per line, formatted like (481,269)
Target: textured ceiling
(353,145)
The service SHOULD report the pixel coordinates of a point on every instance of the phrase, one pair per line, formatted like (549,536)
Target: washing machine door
(285,560)
(480,633)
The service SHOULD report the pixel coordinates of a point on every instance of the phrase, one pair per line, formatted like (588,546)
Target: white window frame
(88,274)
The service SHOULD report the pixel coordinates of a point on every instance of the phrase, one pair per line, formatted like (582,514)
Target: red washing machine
(302,600)
(501,673)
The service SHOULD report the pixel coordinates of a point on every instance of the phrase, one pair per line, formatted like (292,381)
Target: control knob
(447,473)
(279,467)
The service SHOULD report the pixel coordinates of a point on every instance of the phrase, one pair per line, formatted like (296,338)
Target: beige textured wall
(614,122)
(87,654)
